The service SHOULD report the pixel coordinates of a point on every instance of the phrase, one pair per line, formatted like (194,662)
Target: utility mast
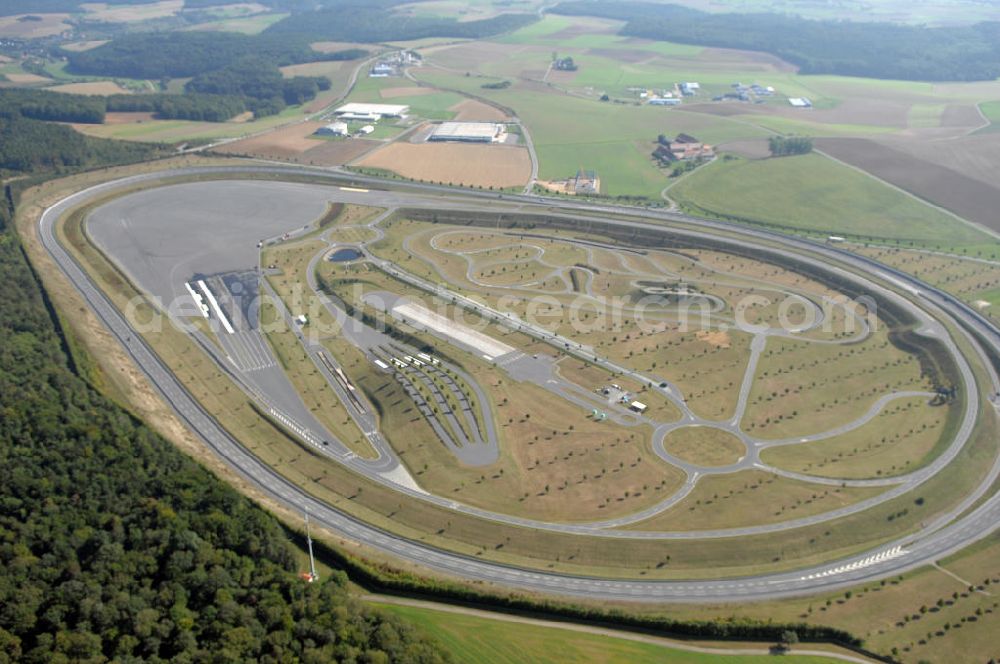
(312,561)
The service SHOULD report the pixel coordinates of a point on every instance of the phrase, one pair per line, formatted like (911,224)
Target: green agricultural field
(474,639)
(814,193)
(991,111)
(248,25)
(921,12)
(805,127)
(616,140)
(433,106)
(179,131)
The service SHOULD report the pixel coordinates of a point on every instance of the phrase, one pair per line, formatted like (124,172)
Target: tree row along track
(946,535)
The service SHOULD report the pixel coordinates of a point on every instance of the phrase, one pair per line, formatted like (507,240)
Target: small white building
(638,407)
(689,88)
(333,129)
(367,129)
(800,102)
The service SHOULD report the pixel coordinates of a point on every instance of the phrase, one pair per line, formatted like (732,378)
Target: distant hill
(374,21)
(873,50)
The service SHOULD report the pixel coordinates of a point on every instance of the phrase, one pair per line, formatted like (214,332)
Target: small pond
(344,255)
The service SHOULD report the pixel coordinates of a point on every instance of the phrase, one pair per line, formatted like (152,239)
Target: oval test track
(939,539)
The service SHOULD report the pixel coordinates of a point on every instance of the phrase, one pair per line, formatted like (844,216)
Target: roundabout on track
(721,446)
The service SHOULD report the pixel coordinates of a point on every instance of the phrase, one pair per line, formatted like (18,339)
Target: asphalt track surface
(166,234)
(964,525)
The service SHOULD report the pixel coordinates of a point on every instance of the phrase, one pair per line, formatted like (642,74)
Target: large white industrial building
(371,112)
(469,132)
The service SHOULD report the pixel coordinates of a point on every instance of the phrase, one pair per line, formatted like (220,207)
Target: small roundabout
(704,446)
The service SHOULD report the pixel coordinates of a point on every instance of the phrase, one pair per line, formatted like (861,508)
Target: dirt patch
(322,101)
(626,55)
(327,68)
(975,156)
(471,110)
(103,88)
(470,57)
(334,46)
(748,60)
(716,338)
(278,144)
(722,109)
(498,166)
(872,112)
(27,78)
(78,47)
(563,78)
(127,118)
(405,91)
(952,189)
(532,74)
(751,148)
(110,13)
(22,27)
(584,25)
(961,115)
(337,153)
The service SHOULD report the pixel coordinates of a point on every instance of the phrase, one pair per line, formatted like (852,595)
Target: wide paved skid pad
(164,236)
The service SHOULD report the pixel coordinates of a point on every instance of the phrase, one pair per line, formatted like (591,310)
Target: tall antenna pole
(312,561)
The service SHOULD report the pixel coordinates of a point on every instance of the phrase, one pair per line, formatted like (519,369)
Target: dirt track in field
(476,165)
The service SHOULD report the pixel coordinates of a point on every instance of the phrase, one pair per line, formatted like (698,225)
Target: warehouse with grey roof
(469,132)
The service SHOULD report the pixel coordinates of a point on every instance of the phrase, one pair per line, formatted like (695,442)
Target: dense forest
(374,21)
(231,73)
(114,545)
(260,84)
(42,105)
(27,145)
(191,106)
(874,50)
(57,107)
(13,7)
(182,54)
